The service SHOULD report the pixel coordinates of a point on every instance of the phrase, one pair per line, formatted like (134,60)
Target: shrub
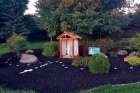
(135,42)
(50,49)
(133,60)
(16,43)
(99,64)
(81,61)
(105,44)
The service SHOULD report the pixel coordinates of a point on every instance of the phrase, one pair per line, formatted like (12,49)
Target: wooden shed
(68,45)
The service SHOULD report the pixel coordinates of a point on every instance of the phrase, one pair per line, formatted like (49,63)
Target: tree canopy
(80,16)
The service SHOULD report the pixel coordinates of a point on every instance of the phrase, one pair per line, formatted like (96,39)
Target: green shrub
(50,49)
(133,60)
(81,61)
(16,43)
(99,64)
(135,42)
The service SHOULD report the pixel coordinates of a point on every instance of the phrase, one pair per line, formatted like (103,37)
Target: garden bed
(59,76)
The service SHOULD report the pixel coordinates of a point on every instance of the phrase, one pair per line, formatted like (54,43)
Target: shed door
(67,48)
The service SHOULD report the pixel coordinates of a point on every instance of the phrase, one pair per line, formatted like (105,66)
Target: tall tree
(79,16)
(11,17)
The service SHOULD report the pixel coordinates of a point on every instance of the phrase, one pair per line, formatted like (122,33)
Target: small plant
(81,61)
(133,60)
(99,64)
(135,42)
(50,49)
(16,43)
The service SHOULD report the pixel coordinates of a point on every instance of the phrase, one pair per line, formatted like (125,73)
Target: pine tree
(11,17)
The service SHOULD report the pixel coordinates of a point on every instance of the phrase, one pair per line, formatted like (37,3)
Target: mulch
(59,76)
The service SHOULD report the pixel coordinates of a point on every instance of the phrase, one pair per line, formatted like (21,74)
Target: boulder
(122,52)
(28,59)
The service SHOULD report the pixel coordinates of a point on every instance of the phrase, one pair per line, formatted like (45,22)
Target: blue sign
(94,50)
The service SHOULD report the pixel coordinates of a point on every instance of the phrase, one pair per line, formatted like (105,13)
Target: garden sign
(93,50)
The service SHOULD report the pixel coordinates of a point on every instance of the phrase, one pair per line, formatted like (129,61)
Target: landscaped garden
(69,46)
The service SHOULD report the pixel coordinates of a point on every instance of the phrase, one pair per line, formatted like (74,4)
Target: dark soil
(59,76)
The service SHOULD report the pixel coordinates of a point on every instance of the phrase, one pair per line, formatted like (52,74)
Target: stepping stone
(25,71)
(66,67)
(115,68)
(36,67)
(17,65)
(63,65)
(56,61)
(131,67)
(60,62)
(10,64)
(50,62)
(28,64)
(81,68)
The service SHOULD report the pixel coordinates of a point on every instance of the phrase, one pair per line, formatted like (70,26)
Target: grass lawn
(4,49)
(33,45)
(2,90)
(128,88)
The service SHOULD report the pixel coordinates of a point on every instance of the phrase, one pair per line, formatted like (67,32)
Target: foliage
(4,49)
(135,18)
(122,88)
(113,53)
(135,42)
(50,49)
(133,60)
(97,64)
(80,16)
(3,90)
(81,61)
(35,45)
(11,17)
(31,45)
(100,64)
(16,43)
(105,44)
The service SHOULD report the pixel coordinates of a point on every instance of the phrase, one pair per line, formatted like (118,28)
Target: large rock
(28,58)
(122,52)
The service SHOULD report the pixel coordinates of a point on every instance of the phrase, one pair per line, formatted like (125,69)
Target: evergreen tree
(11,17)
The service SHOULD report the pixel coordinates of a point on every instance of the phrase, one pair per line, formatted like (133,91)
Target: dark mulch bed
(58,76)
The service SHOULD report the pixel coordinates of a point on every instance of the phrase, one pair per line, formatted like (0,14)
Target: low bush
(135,42)
(81,61)
(50,49)
(133,60)
(16,43)
(99,64)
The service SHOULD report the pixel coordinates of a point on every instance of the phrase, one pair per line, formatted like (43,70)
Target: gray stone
(28,59)
(122,52)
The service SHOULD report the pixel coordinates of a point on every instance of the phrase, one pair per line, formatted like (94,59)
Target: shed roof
(71,35)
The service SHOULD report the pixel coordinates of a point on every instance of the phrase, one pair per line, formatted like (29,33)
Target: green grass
(31,45)
(128,88)
(3,90)
(35,45)
(4,49)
